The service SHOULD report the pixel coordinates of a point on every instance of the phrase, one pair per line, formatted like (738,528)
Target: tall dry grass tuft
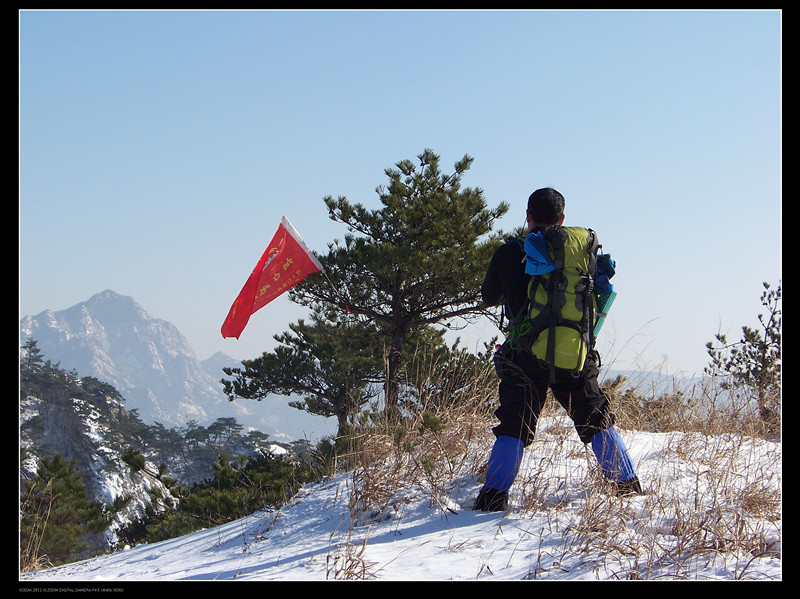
(437,438)
(696,405)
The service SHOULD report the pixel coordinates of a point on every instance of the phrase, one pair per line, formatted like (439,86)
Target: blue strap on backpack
(538,256)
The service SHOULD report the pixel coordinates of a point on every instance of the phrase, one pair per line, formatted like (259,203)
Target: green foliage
(238,488)
(55,515)
(223,430)
(39,376)
(329,362)
(430,422)
(134,459)
(753,364)
(419,260)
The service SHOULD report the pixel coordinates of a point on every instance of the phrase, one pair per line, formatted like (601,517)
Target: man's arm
(492,290)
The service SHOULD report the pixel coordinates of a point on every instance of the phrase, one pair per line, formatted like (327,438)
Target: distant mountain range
(152,365)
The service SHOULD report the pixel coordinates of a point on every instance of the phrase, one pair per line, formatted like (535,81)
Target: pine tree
(417,261)
(328,362)
(754,362)
(31,357)
(38,374)
(55,515)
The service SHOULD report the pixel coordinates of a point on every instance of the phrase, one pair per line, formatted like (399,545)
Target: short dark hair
(545,206)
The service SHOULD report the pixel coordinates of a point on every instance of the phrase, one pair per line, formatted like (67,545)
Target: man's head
(545,208)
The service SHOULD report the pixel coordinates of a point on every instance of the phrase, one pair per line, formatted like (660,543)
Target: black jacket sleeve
(492,290)
(506,278)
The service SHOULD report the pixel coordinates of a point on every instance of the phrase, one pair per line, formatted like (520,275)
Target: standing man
(558,356)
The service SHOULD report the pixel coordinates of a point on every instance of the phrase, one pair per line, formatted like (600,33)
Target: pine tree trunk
(392,386)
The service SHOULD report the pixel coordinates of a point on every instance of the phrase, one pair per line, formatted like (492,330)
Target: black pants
(523,390)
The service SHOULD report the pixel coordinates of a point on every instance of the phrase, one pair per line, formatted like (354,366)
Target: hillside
(712,512)
(84,421)
(94,477)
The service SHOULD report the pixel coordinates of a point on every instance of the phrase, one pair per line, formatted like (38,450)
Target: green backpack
(561,307)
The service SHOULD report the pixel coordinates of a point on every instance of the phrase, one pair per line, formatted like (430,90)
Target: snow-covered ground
(712,512)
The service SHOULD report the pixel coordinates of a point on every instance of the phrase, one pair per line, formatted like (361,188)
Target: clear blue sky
(159,150)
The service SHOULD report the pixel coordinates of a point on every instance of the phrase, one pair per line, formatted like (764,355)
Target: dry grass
(711,495)
(708,498)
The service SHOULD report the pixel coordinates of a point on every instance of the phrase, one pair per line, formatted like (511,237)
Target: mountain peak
(110,294)
(109,304)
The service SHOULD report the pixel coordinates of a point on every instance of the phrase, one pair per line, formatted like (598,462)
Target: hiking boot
(629,488)
(491,500)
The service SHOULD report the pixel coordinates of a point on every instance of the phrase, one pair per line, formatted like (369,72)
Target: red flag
(286,261)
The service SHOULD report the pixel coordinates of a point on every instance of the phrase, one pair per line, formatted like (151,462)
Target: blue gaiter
(612,455)
(504,463)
